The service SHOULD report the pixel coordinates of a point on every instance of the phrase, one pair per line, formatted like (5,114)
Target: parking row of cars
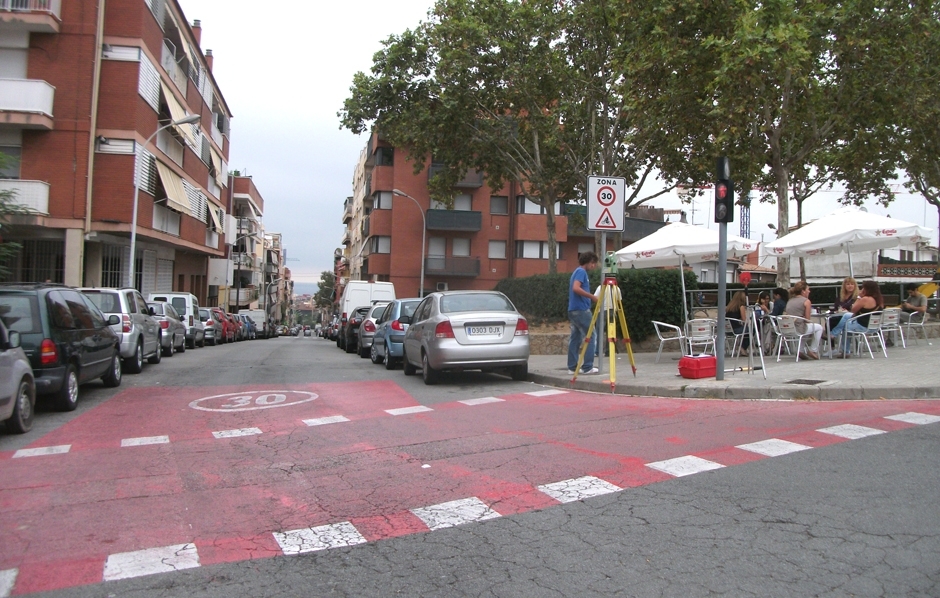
(445,331)
(68,336)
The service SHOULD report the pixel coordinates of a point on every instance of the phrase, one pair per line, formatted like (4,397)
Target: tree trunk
(783,222)
(552,243)
(799,223)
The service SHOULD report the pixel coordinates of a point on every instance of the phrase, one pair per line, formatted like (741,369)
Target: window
(497,250)
(527,206)
(11,170)
(585,247)
(384,156)
(381,245)
(382,200)
(438,205)
(437,247)
(536,250)
(499,204)
(111,266)
(463,202)
(461,247)
(703,275)
(81,315)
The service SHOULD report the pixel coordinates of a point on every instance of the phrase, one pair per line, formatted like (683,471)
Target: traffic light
(724,193)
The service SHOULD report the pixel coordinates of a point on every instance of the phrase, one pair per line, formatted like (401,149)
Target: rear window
(157,308)
(108,303)
(20,313)
(204,315)
(475,302)
(408,307)
(180,304)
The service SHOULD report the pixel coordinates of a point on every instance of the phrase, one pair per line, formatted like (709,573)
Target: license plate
(484,330)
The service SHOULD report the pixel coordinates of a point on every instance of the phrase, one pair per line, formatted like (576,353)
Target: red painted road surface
(62,515)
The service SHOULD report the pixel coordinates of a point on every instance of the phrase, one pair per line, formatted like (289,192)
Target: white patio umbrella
(679,241)
(848,230)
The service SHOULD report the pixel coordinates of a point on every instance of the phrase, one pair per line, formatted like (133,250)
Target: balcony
(347,212)
(33,195)
(454,220)
(452,266)
(270,268)
(245,260)
(473,179)
(172,68)
(243,296)
(39,16)
(26,103)
(364,229)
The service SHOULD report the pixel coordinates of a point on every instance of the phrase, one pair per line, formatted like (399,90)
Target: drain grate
(805,381)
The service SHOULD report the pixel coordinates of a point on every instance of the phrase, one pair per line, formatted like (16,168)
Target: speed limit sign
(605,199)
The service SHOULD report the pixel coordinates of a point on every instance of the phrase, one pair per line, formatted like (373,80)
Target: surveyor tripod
(610,292)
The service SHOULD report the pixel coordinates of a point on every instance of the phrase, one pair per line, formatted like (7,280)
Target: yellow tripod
(609,292)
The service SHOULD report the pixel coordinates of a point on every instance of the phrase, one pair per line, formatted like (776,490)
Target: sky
(285,73)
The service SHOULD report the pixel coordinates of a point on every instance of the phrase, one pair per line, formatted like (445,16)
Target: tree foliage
(325,289)
(8,207)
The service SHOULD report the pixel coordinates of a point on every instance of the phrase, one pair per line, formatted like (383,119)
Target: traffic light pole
(722,301)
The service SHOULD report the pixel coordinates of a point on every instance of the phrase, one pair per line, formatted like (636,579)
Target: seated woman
(847,296)
(737,309)
(763,311)
(780,301)
(799,305)
(869,300)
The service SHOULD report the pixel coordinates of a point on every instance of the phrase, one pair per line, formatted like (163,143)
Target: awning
(217,164)
(214,219)
(177,113)
(253,209)
(173,185)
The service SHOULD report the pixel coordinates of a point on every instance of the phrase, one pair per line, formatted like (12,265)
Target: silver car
(174,331)
(139,331)
(367,328)
(466,330)
(17,386)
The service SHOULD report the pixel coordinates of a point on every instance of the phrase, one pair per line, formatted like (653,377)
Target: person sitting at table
(780,301)
(847,296)
(799,305)
(737,311)
(762,310)
(869,300)
(915,303)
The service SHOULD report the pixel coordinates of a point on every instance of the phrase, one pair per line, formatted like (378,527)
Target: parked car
(187,306)
(349,334)
(65,336)
(212,326)
(466,330)
(17,388)
(228,326)
(174,331)
(390,328)
(238,325)
(367,328)
(251,329)
(139,331)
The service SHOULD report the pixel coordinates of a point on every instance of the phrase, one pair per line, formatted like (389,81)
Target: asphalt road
(849,518)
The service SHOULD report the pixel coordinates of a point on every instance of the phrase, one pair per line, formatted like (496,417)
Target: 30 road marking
(45,450)
(408,410)
(236,433)
(774,447)
(125,565)
(578,488)
(851,431)
(253,400)
(683,466)
(323,537)
(144,441)
(322,421)
(455,512)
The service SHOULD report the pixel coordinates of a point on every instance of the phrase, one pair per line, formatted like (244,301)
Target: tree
(325,289)
(8,208)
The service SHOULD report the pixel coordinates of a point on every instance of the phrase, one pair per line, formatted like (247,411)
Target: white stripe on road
(322,421)
(46,450)
(682,466)
(773,447)
(455,512)
(481,401)
(408,410)
(851,431)
(915,418)
(311,539)
(145,440)
(7,581)
(125,565)
(578,488)
(236,433)
(547,393)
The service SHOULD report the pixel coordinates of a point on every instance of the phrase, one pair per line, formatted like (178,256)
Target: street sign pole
(605,205)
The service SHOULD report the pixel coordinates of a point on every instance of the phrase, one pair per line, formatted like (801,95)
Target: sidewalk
(911,373)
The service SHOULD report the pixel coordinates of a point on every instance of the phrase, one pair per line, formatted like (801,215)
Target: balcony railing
(347,212)
(53,7)
(471,180)
(452,266)
(243,296)
(176,72)
(26,95)
(245,260)
(40,16)
(365,227)
(33,195)
(454,220)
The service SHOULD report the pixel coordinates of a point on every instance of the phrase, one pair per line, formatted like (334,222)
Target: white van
(188,307)
(361,293)
(258,317)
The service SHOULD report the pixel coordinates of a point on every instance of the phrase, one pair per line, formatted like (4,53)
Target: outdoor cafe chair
(872,333)
(737,338)
(789,334)
(700,332)
(917,322)
(666,333)
(891,322)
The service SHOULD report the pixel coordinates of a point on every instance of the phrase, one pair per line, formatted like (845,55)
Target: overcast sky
(285,68)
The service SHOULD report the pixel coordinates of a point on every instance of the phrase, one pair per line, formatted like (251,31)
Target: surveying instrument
(611,303)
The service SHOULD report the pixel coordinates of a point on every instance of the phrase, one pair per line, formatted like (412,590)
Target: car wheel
(112,377)
(168,351)
(364,352)
(21,420)
(389,360)
(182,347)
(430,375)
(212,341)
(349,346)
(67,397)
(190,344)
(374,355)
(135,363)
(409,368)
(519,373)
(158,354)
(202,343)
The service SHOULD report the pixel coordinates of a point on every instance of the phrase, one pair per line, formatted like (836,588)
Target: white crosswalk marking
(851,431)
(578,488)
(46,450)
(481,401)
(547,393)
(145,440)
(773,447)
(125,565)
(322,421)
(682,466)
(323,537)
(236,433)
(455,512)
(915,418)
(7,581)
(408,410)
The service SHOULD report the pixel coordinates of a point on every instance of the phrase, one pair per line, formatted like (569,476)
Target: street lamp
(192,118)
(424,227)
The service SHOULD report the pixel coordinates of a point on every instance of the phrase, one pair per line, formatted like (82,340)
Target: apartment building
(87,102)
(487,235)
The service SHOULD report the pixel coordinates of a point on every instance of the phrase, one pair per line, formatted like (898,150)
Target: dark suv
(65,336)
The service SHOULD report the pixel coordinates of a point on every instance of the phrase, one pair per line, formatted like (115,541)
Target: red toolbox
(697,366)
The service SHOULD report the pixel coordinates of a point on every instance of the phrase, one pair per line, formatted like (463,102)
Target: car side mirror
(113,319)
(404,319)
(152,312)
(14,339)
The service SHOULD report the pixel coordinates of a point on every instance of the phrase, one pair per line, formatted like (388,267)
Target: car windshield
(474,302)
(20,312)
(108,303)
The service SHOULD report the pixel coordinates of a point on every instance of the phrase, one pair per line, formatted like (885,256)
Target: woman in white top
(799,305)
